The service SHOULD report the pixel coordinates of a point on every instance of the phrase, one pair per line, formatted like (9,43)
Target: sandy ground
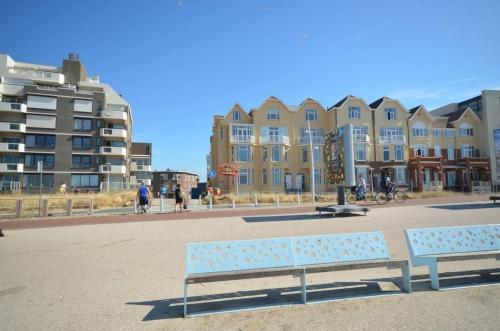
(129,276)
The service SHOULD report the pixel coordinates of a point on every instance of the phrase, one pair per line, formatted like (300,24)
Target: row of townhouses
(80,128)
(452,147)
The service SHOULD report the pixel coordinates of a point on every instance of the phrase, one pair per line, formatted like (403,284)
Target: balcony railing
(243,139)
(114,133)
(316,140)
(106,150)
(12,127)
(361,138)
(12,147)
(392,139)
(113,169)
(11,167)
(274,140)
(13,107)
(114,114)
(38,75)
(139,167)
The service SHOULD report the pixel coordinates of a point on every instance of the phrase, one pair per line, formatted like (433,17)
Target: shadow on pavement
(466,206)
(298,217)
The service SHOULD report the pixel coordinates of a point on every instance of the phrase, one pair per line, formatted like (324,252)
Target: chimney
(73,69)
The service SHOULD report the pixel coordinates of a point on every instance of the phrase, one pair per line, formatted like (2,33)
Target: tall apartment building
(79,127)
(271,145)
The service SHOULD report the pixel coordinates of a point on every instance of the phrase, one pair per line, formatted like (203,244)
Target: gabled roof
(414,109)
(375,104)
(237,106)
(418,108)
(297,108)
(344,100)
(457,115)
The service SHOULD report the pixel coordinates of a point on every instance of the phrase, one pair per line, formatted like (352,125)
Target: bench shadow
(297,217)
(466,206)
(259,299)
(469,278)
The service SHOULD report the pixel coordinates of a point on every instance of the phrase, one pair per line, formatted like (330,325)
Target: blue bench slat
(449,240)
(495,232)
(339,248)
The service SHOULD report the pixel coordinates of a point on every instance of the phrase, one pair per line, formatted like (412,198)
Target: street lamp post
(313,181)
(108,167)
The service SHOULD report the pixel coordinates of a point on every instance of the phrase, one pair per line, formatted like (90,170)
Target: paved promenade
(122,273)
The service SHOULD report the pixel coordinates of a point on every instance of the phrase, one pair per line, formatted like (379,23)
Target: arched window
(419,129)
(465,129)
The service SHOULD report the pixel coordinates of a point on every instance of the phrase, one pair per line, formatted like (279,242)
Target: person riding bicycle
(386,185)
(361,187)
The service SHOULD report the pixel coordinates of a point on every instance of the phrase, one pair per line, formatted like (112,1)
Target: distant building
(140,165)
(171,178)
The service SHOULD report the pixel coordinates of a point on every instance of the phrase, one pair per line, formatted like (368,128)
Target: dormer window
(390,114)
(465,130)
(273,114)
(236,115)
(354,112)
(311,115)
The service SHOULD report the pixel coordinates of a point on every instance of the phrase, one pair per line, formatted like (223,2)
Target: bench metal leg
(406,278)
(185,297)
(434,275)
(303,286)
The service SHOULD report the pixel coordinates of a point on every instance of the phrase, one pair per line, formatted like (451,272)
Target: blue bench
(289,256)
(428,246)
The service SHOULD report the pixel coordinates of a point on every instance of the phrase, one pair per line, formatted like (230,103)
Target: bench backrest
(284,252)
(449,240)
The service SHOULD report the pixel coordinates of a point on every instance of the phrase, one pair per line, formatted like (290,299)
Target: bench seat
(243,274)
(494,198)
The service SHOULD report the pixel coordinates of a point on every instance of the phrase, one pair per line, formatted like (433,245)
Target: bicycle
(353,196)
(382,197)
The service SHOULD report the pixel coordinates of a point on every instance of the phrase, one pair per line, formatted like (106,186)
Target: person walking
(163,191)
(178,198)
(143,194)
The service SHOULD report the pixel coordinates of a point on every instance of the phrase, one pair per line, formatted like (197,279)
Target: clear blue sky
(179,62)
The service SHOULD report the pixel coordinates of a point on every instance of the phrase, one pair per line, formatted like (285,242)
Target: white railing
(11,167)
(361,138)
(120,133)
(114,114)
(139,167)
(12,147)
(392,139)
(316,140)
(12,127)
(274,140)
(39,75)
(443,132)
(106,150)
(10,186)
(235,139)
(13,107)
(113,169)
(481,187)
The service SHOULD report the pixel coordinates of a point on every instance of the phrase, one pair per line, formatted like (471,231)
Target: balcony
(114,133)
(12,127)
(245,139)
(12,107)
(316,140)
(106,150)
(11,167)
(139,167)
(393,139)
(12,147)
(115,115)
(274,140)
(112,169)
(361,138)
(37,75)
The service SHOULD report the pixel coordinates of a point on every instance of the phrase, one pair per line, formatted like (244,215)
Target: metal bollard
(298,199)
(69,207)
(255,200)
(234,203)
(210,202)
(161,204)
(19,208)
(277,199)
(45,208)
(91,206)
(135,206)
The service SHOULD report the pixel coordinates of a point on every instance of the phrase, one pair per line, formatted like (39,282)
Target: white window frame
(242,148)
(386,148)
(236,115)
(275,148)
(273,114)
(390,114)
(311,114)
(276,173)
(242,175)
(451,152)
(398,149)
(360,150)
(437,150)
(354,112)
(467,151)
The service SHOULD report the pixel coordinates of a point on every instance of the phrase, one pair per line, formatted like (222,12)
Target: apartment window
(467,151)
(285,158)
(276,176)
(420,150)
(82,124)
(400,175)
(273,114)
(40,141)
(85,180)
(451,152)
(264,154)
(317,135)
(316,154)
(82,142)
(81,161)
(398,153)
(311,115)
(33,180)
(390,114)
(31,160)
(437,150)
(304,154)
(276,153)
(354,112)
(386,153)
(360,152)
(98,123)
(359,130)
(236,115)
(419,130)
(361,172)
(317,176)
(391,133)
(243,153)
(465,130)
(243,177)
(264,176)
